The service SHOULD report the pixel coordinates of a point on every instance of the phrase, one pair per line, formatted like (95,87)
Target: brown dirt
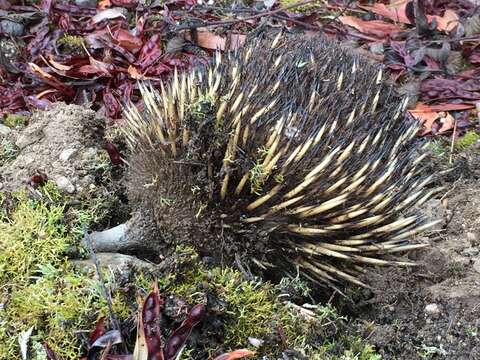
(61,143)
(433,311)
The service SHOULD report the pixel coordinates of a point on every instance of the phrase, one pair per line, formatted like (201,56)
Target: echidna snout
(295,154)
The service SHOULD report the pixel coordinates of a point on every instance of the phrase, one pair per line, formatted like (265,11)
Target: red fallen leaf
(397,13)
(377,28)
(450,89)
(178,338)
(151,327)
(113,153)
(159,69)
(98,331)
(46,6)
(125,3)
(150,52)
(127,40)
(50,353)
(5,5)
(112,107)
(38,179)
(64,22)
(237,354)
(474,58)
(394,12)
(140,25)
(51,80)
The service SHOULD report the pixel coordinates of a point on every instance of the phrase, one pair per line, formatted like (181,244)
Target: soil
(60,144)
(433,311)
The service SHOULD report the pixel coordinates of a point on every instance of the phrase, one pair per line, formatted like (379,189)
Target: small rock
(66,154)
(12,27)
(29,138)
(473,238)
(476,265)
(4,130)
(90,153)
(255,342)
(64,184)
(377,49)
(470,251)
(86,3)
(435,210)
(432,310)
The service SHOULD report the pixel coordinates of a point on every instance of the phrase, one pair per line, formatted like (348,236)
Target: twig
(251,17)
(453,141)
(106,293)
(298,22)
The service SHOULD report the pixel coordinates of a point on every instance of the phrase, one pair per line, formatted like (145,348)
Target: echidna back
(294,154)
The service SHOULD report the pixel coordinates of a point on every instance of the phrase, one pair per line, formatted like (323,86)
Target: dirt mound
(60,143)
(433,311)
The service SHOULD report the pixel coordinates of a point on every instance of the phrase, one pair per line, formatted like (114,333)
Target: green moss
(252,309)
(13,120)
(38,286)
(467,140)
(72,44)
(8,151)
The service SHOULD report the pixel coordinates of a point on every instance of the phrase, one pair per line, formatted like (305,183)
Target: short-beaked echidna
(294,154)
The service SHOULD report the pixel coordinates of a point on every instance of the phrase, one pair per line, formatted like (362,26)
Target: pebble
(4,130)
(377,49)
(29,138)
(12,27)
(66,154)
(432,310)
(473,238)
(89,153)
(476,265)
(470,251)
(255,342)
(64,184)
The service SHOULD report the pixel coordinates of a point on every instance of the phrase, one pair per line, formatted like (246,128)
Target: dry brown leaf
(395,12)
(448,21)
(447,124)
(427,119)
(134,73)
(377,28)
(209,40)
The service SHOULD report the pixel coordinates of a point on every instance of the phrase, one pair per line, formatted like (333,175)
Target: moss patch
(14,120)
(39,288)
(467,140)
(252,309)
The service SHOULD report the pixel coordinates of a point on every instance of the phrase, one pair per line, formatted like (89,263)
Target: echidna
(294,154)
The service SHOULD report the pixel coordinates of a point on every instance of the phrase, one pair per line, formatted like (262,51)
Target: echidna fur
(295,154)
